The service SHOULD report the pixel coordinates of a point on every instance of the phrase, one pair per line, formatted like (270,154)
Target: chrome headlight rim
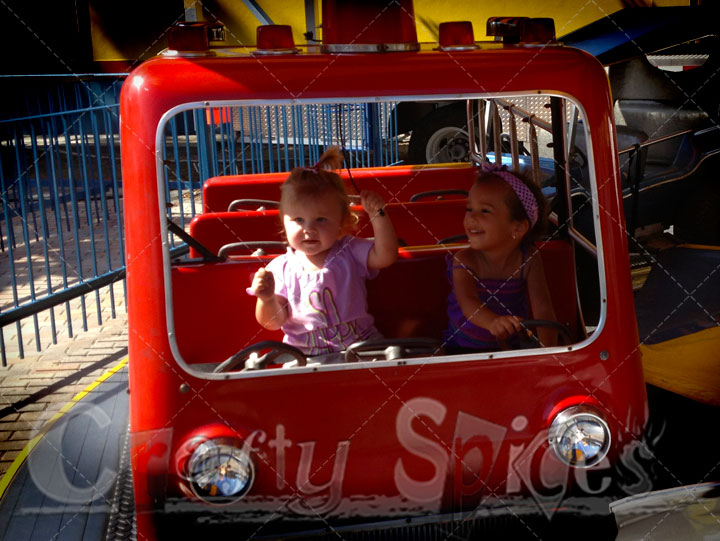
(212,457)
(570,418)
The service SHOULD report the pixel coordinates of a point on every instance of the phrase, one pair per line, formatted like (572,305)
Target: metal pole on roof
(534,154)
(191,7)
(256,10)
(482,122)
(472,138)
(513,142)
(559,124)
(310,23)
(497,129)
(572,128)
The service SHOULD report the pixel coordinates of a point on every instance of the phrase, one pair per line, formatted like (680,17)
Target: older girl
(499,280)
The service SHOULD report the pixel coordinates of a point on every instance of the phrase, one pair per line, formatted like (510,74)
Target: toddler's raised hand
(504,326)
(263,284)
(372,202)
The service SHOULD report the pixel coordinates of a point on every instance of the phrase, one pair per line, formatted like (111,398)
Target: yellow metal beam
(241,23)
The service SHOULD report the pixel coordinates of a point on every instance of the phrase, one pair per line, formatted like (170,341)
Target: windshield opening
(219,180)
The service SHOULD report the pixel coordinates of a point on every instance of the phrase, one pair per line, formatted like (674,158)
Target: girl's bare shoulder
(468,259)
(464,256)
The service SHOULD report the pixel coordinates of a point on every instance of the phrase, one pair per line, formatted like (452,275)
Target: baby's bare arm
(270,309)
(384,250)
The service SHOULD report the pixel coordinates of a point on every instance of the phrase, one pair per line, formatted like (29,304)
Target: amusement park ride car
(228,436)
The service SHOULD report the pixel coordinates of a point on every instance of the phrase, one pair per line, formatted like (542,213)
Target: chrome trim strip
(274,52)
(529,355)
(401,47)
(453,48)
(369,47)
(172,53)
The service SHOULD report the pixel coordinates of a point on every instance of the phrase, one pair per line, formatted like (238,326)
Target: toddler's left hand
(372,202)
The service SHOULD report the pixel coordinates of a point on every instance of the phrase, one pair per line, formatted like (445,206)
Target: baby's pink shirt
(327,308)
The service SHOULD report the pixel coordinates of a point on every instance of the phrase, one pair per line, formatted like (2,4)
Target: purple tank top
(502,296)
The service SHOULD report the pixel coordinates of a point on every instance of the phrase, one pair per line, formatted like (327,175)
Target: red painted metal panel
(398,438)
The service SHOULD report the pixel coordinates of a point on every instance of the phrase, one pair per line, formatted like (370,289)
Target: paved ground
(42,376)
(33,389)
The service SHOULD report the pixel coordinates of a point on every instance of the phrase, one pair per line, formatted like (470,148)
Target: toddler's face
(487,218)
(313,224)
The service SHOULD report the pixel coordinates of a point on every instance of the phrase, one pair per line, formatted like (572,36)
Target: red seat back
(559,266)
(416,224)
(214,316)
(393,183)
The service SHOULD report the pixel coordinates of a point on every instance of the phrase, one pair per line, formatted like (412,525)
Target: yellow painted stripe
(15,466)
(687,365)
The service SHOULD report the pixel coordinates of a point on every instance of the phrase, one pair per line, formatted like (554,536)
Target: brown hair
(515,206)
(318,180)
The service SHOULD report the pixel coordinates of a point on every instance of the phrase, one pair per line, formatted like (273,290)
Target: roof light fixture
(456,36)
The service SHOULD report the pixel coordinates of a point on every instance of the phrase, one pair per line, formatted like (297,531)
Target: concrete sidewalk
(35,388)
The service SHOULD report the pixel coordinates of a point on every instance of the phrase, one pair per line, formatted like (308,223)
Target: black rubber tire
(698,220)
(441,118)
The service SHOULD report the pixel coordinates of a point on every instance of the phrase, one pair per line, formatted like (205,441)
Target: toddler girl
(316,292)
(496,282)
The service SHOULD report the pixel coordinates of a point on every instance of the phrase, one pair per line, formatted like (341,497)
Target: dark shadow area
(15,407)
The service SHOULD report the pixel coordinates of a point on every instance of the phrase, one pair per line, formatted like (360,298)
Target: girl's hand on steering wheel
(503,326)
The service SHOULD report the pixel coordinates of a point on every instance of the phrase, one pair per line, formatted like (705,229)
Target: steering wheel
(392,348)
(522,340)
(267,352)
(257,247)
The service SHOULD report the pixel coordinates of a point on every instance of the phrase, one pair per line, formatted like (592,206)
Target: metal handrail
(527,117)
(651,142)
(262,204)
(578,237)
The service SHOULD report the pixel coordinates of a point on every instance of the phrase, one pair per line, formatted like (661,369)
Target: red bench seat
(215,317)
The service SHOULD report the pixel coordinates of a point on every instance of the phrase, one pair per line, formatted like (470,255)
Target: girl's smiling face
(487,222)
(313,224)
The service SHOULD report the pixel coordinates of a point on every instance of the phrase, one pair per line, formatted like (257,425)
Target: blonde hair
(318,180)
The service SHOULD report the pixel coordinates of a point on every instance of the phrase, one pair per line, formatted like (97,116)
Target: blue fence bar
(61,218)
(258,139)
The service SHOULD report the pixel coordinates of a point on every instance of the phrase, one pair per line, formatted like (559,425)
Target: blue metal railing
(61,224)
(205,143)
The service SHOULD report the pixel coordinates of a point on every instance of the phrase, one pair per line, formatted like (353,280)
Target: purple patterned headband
(527,198)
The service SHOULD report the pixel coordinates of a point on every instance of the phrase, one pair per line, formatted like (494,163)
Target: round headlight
(220,471)
(579,436)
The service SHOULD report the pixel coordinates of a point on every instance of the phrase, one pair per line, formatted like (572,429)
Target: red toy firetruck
(228,434)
